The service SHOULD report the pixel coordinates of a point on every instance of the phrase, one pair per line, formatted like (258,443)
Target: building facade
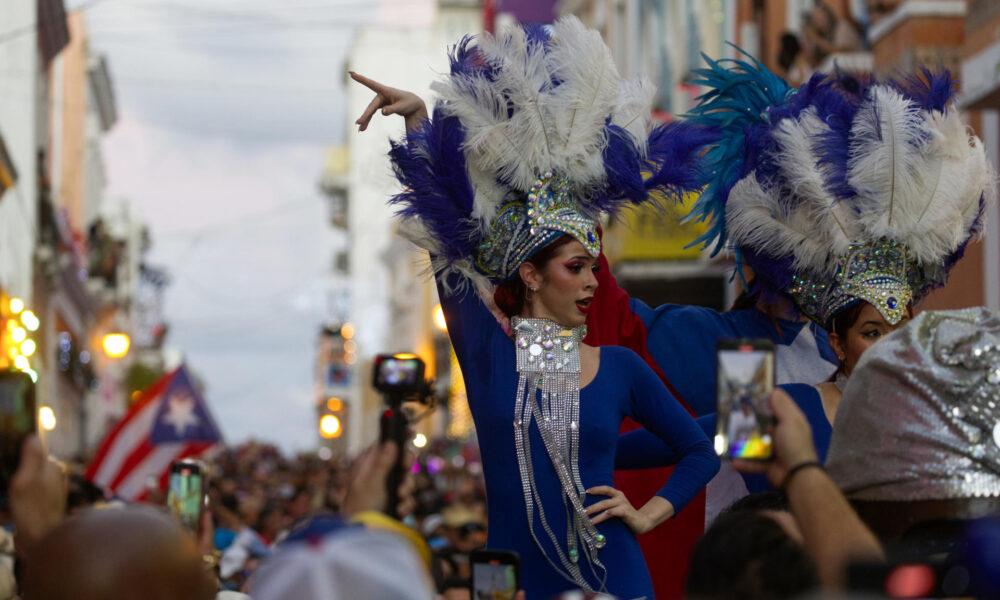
(389,295)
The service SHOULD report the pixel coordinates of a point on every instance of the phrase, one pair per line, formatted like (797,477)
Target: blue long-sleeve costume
(624,386)
(682,341)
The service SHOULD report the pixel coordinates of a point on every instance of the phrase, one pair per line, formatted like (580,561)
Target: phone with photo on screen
(744,380)
(496,574)
(186,492)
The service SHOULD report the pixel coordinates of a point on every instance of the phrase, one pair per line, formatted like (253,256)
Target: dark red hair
(510,295)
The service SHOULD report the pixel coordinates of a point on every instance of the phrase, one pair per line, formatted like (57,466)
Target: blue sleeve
(681,339)
(470,323)
(655,409)
(640,449)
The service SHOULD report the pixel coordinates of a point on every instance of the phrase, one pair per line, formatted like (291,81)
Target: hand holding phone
(18,420)
(744,380)
(496,574)
(793,441)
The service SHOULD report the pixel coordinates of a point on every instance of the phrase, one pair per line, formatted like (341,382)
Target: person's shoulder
(621,357)
(687,315)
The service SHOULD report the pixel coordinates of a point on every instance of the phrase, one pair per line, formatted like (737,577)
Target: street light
(329,427)
(47,418)
(439,318)
(116,345)
(30,320)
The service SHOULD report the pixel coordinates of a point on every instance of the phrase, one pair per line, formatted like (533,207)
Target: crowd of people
(870,521)
(845,201)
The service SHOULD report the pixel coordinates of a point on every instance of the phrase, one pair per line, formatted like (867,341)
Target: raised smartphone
(186,492)
(496,574)
(744,380)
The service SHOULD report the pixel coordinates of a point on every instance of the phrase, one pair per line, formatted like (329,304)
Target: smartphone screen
(18,420)
(495,575)
(186,493)
(744,379)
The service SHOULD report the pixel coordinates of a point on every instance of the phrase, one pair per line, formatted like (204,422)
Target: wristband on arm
(799,467)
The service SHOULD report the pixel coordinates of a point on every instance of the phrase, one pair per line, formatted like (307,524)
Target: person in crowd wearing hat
(917,443)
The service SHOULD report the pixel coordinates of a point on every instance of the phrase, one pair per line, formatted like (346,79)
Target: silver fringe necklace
(548,392)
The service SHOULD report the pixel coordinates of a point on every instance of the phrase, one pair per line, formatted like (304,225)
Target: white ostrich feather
(519,125)
(514,146)
(580,104)
(632,109)
(754,219)
(952,181)
(888,139)
(832,221)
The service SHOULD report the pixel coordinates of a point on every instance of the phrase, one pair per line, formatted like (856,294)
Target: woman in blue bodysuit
(535,135)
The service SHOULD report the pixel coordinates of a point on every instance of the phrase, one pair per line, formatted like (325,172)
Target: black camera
(401,374)
(400,378)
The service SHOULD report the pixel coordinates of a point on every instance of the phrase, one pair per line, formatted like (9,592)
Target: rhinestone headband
(523,228)
(878,272)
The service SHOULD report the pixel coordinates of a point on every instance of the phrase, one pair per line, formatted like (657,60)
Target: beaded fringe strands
(548,392)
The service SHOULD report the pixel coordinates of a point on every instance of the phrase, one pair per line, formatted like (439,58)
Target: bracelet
(797,468)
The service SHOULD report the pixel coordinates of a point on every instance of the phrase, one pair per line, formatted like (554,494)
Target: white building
(22,118)
(391,303)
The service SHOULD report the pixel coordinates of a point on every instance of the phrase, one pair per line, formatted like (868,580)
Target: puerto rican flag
(169,421)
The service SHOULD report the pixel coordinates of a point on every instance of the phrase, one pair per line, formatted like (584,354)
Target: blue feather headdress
(534,136)
(843,190)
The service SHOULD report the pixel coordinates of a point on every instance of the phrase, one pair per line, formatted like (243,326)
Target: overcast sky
(225,108)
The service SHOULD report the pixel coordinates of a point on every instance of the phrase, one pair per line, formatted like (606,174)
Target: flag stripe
(135,458)
(147,398)
(155,462)
(129,438)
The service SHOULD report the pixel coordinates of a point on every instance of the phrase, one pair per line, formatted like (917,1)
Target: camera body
(399,374)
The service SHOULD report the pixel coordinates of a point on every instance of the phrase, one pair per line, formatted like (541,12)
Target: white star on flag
(180,413)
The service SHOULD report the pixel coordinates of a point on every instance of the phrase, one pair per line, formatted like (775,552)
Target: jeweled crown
(878,272)
(522,228)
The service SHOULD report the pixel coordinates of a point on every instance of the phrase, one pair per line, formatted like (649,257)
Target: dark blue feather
(623,168)
(930,90)
(430,165)
(467,61)
(536,33)
(674,156)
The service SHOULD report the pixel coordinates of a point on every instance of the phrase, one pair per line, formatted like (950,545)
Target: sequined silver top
(920,415)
